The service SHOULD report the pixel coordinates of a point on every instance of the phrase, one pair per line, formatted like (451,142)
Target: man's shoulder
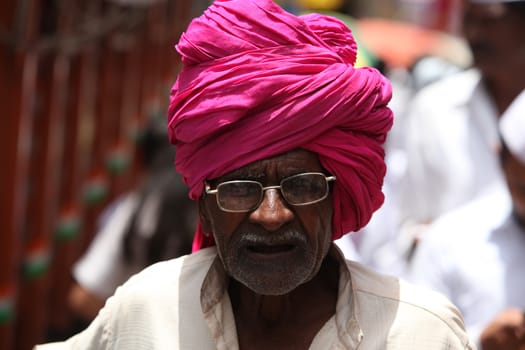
(373,284)
(168,285)
(170,273)
(467,79)
(406,305)
(441,107)
(155,309)
(455,89)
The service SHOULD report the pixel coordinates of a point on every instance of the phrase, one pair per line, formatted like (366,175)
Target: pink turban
(258,81)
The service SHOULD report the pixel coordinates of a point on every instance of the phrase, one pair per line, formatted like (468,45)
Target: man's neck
(272,321)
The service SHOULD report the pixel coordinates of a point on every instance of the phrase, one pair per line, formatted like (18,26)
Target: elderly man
(280,139)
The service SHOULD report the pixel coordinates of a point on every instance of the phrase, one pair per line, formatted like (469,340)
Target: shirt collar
(217,311)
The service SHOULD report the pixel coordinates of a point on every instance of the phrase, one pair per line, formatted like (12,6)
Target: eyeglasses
(246,195)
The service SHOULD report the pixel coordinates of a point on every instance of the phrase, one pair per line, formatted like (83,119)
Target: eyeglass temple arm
(208,190)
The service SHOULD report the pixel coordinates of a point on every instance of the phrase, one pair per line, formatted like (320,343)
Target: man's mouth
(271,249)
(273,245)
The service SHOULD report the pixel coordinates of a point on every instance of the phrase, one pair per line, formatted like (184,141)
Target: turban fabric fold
(258,81)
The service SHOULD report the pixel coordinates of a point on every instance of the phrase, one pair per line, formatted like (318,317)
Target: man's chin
(272,274)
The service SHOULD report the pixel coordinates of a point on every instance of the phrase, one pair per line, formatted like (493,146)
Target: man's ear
(204,218)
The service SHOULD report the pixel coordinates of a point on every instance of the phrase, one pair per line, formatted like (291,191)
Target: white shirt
(184,304)
(476,257)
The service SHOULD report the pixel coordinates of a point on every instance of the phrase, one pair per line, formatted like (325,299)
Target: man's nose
(273,211)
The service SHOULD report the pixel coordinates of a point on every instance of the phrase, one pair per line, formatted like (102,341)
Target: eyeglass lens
(304,188)
(239,195)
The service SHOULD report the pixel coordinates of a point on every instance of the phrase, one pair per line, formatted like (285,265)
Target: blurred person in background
(475,255)
(451,131)
(454,125)
(152,223)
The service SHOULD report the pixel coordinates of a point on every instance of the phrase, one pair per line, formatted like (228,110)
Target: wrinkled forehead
(275,167)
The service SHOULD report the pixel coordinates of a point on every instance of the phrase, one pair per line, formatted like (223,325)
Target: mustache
(288,237)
